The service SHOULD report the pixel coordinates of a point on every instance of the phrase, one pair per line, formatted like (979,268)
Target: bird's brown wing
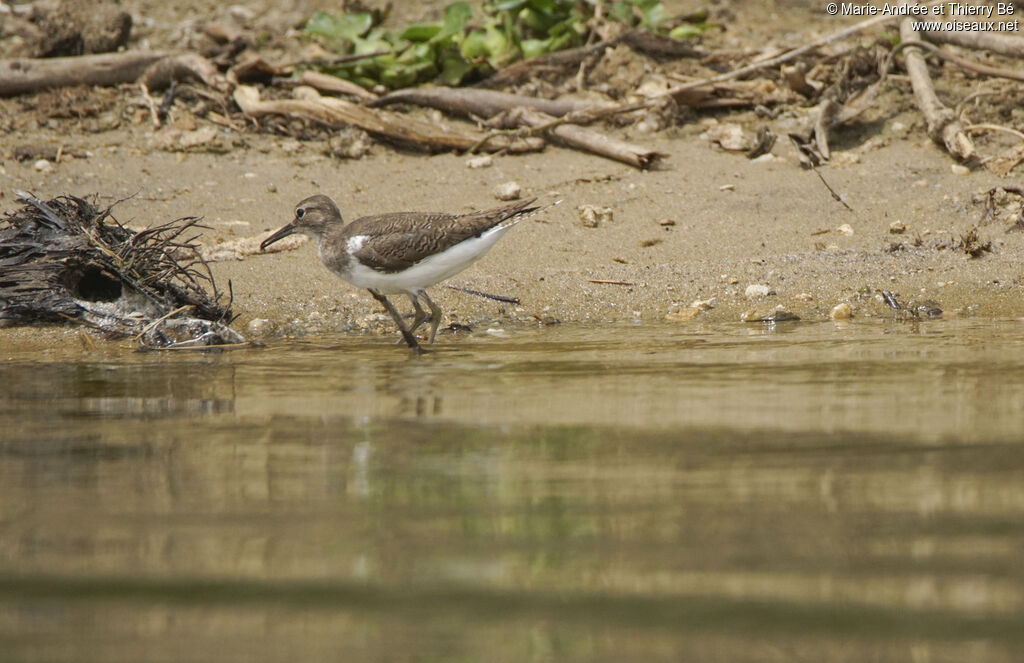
(394,242)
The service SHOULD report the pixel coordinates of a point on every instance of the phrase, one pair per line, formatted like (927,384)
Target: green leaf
(685,31)
(532,48)
(349,27)
(456,18)
(416,54)
(421,31)
(549,6)
(509,4)
(454,67)
(653,15)
(536,21)
(689,30)
(474,45)
(495,42)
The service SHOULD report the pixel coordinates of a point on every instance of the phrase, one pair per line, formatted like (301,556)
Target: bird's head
(312,217)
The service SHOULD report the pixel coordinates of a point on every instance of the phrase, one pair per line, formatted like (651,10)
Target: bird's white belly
(428,271)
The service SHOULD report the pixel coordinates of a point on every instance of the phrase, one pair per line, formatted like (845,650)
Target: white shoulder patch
(355,243)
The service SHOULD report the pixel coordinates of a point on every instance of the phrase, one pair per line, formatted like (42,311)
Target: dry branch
(943,126)
(398,128)
(335,85)
(482,103)
(20,76)
(575,136)
(993,42)
(183,67)
(964,63)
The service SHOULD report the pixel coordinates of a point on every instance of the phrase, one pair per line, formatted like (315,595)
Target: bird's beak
(280,234)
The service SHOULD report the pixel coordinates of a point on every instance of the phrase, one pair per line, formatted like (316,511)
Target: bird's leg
(435,314)
(406,334)
(421,315)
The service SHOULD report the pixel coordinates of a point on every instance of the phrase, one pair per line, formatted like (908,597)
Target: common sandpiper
(403,252)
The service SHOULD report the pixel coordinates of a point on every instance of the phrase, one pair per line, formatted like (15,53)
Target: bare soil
(704,225)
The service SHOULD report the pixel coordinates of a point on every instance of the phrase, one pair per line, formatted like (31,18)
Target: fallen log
(24,75)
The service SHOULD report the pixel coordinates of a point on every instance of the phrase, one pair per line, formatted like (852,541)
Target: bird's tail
(523,210)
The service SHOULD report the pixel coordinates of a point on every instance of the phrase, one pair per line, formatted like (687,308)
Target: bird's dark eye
(299,213)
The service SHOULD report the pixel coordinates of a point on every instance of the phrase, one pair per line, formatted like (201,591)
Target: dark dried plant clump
(64,260)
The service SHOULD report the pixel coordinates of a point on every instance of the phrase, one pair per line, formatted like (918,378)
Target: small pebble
(897,228)
(845,229)
(779,314)
(730,136)
(841,311)
(683,315)
(757,290)
(591,216)
(727,187)
(241,13)
(959,169)
(484,161)
(260,327)
(704,304)
(508,191)
(804,297)
(43,166)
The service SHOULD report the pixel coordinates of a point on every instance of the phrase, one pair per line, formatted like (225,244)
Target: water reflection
(827,493)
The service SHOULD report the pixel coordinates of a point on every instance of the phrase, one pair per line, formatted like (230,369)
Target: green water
(808,492)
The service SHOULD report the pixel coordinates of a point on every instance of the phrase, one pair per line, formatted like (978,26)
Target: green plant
(465,45)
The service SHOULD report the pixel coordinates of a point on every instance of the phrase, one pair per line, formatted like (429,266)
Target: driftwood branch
(408,131)
(964,63)
(575,136)
(183,67)
(481,103)
(993,42)
(943,126)
(333,84)
(20,76)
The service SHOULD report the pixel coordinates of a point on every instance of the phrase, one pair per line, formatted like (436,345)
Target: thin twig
(153,325)
(791,54)
(835,195)
(979,128)
(333,62)
(964,63)
(500,298)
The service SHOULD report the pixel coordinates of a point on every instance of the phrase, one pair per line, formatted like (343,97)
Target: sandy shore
(705,225)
